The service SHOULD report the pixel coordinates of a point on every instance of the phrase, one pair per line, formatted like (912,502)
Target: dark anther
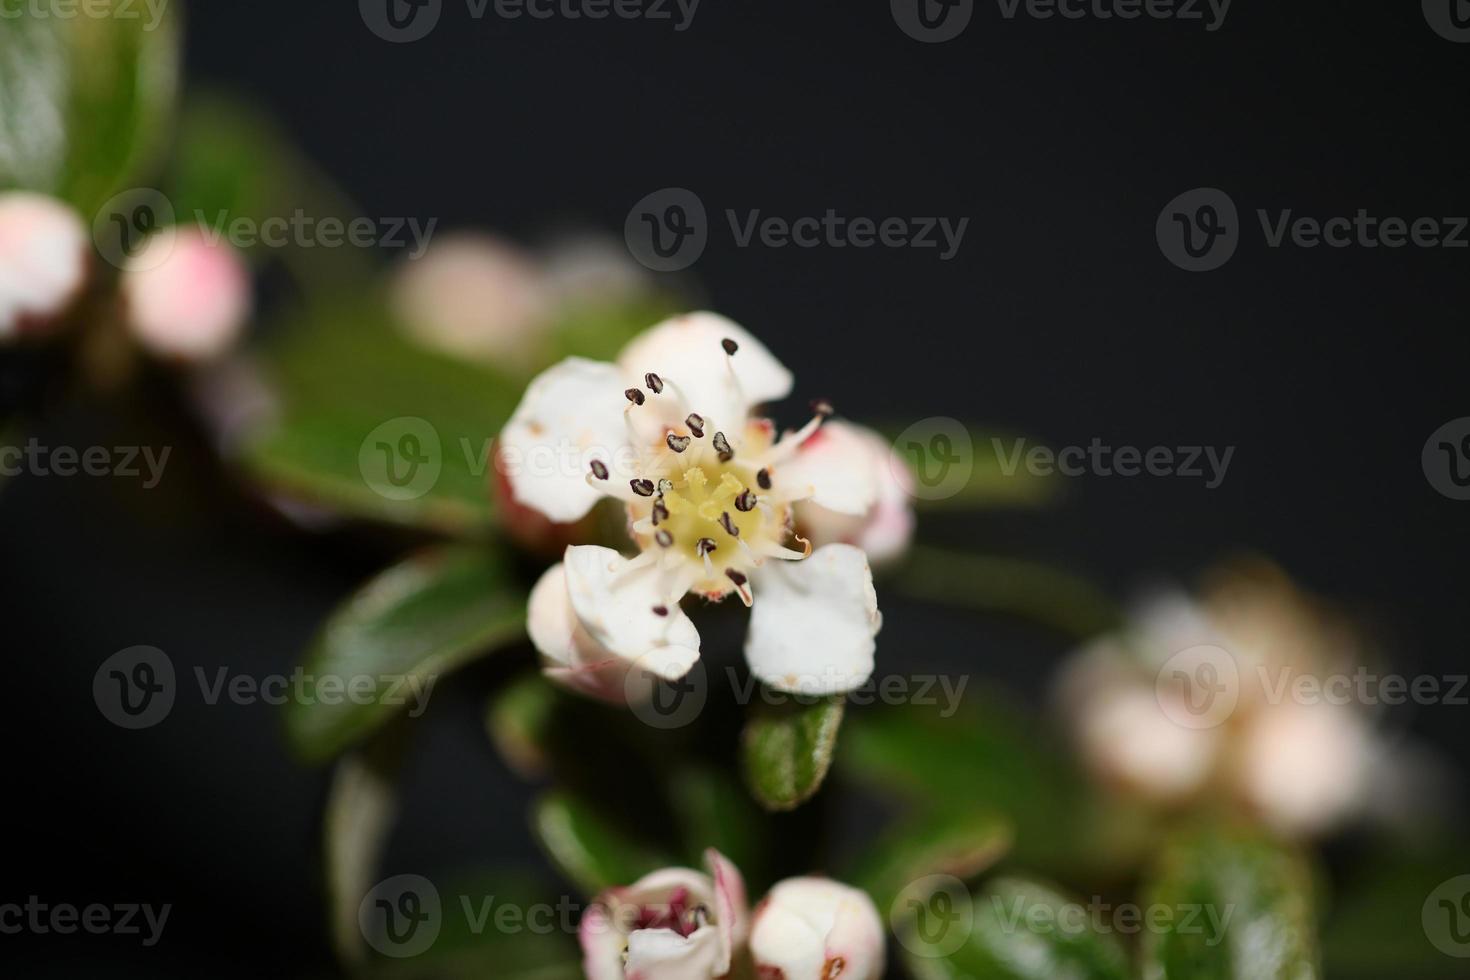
(634,395)
(722,446)
(643,488)
(654,382)
(737,577)
(730,346)
(660,610)
(660,512)
(678,443)
(823,408)
(745,503)
(763,479)
(729,525)
(664,539)
(696,425)
(705,545)
(599,469)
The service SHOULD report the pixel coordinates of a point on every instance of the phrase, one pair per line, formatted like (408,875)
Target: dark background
(1060,140)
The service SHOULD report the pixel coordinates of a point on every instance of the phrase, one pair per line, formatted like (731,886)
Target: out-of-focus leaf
(506,927)
(600,330)
(1011,586)
(375,427)
(1021,930)
(1376,923)
(961,845)
(714,810)
(786,751)
(517,720)
(85,101)
(403,632)
(957,467)
(588,849)
(361,808)
(1250,910)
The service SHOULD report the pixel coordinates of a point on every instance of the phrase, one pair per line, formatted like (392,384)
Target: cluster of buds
(679,924)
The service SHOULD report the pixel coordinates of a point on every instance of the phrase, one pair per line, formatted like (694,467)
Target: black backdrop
(1060,140)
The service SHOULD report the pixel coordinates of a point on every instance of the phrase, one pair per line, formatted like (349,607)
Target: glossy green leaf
(86,101)
(396,638)
(373,426)
(959,844)
(588,849)
(1019,930)
(786,751)
(1258,891)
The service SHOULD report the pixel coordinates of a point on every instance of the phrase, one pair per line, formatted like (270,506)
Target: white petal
(602,945)
(662,954)
(1127,737)
(844,464)
(813,624)
(571,414)
(43,257)
(615,606)
(687,350)
(1304,766)
(732,909)
(806,925)
(569,655)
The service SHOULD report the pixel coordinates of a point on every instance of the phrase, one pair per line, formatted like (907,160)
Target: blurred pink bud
(1304,766)
(817,929)
(187,297)
(473,297)
(1128,737)
(43,261)
(875,513)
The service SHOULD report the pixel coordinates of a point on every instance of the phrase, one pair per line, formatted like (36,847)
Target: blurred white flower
(817,929)
(187,297)
(589,268)
(1192,699)
(43,261)
(675,924)
(474,297)
(876,515)
(708,490)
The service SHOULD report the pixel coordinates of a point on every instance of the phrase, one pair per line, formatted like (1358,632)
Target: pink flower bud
(187,297)
(875,515)
(475,298)
(43,261)
(817,929)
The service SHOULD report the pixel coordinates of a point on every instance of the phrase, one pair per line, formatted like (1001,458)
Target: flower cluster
(679,924)
(1191,701)
(711,496)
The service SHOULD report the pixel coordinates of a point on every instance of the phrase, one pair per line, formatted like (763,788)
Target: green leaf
(403,631)
(589,850)
(1260,893)
(1011,586)
(375,427)
(714,810)
(1021,930)
(786,751)
(517,721)
(85,102)
(961,845)
(361,807)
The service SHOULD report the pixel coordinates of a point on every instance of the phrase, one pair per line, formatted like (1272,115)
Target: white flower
(43,260)
(474,297)
(675,924)
(816,929)
(1303,767)
(709,492)
(187,296)
(876,515)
